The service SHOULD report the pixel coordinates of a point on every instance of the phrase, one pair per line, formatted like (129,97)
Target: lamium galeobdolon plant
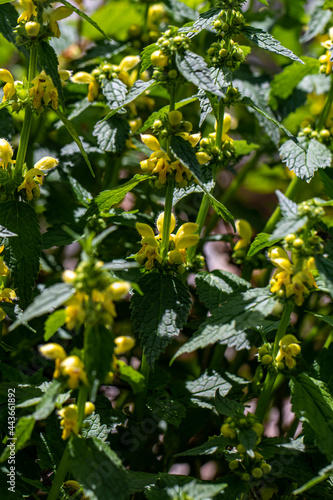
(166,250)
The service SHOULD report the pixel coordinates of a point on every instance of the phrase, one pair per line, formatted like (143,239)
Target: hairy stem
(266,394)
(167,218)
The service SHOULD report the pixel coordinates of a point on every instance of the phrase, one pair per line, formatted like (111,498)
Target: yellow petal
(46,163)
(82,77)
(151,142)
(6,76)
(160,221)
(52,351)
(129,62)
(187,241)
(244,229)
(144,229)
(226,123)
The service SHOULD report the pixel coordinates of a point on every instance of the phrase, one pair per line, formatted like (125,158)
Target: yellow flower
(4,271)
(32,29)
(52,351)
(35,176)
(325,59)
(123,344)
(160,223)
(289,349)
(184,238)
(119,289)
(156,13)
(158,58)
(89,408)
(6,154)
(203,158)
(244,230)
(73,368)
(58,14)
(75,312)
(69,421)
(93,88)
(44,91)
(9,88)
(30,10)
(6,295)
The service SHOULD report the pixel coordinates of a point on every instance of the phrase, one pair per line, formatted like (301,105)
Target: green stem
(167,218)
(26,127)
(141,401)
(172,96)
(81,401)
(291,193)
(60,476)
(205,204)
(327,108)
(266,394)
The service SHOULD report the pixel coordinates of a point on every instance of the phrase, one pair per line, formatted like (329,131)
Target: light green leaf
(268,42)
(50,298)
(21,254)
(285,82)
(138,88)
(133,377)
(173,487)
(85,17)
(107,199)
(318,21)
(286,226)
(146,56)
(160,313)
(98,469)
(23,431)
(48,401)
(243,148)
(313,404)
(261,241)
(205,20)
(322,475)
(305,163)
(70,128)
(194,68)
(53,323)
(92,427)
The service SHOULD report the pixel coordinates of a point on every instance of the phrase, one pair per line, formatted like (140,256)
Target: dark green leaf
(114,91)
(53,323)
(136,90)
(51,298)
(179,10)
(48,60)
(261,241)
(99,345)
(195,70)
(214,287)
(48,401)
(8,23)
(70,128)
(211,446)
(98,469)
(186,153)
(268,42)
(323,474)
(318,21)
(248,438)
(313,404)
(305,164)
(204,21)
(230,322)
(7,129)
(21,254)
(227,406)
(146,56)
(324,265)
(112,134)
(159,314)
(168,409)
(173,487)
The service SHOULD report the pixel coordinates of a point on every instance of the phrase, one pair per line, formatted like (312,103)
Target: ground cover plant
(166,254)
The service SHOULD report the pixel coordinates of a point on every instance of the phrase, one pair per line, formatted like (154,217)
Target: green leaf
(227,406)
(268,42)
(146,56)
(164,111)
(160,313)
(85,17)
(286,226)
(135,379)
(98,352)
(261,241)
(106,199)
(174,487)
(322,475)
(50,298)
(288,207)
(98,469)
(305,164)
(49,400)
(243,148)
(180,11)
(313,404)
(53,323)
(229,323)
(317,23)
(114,91)
(92,427)
(168,409)
(48,60)
(205,20)
(194,69)
(23,431)
(185,152)
(211,446)
(21,254)
(8,23)
(328,4)
(285,82)
(70,128)
(112,134)
(324,264)
(138,88)
(201,391)
(214,287)
(248,438)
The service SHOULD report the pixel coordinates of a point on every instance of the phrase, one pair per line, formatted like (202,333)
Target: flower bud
(123,344)
(68,276)
(46,163)
(32,29)
(159,59)
(6,152)
(151,142)
(129,63)
(160,221)
(89,408)
(257,473)
(52,351)
(266,359)
(119,289)
(175,117)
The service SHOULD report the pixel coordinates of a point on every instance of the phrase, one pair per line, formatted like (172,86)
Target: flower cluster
(218,155)
(70,418)
(288,349)
(70,367)
(245,465)
(95,294)
(106,72)
(289,279)
(178,243)
(326,59)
